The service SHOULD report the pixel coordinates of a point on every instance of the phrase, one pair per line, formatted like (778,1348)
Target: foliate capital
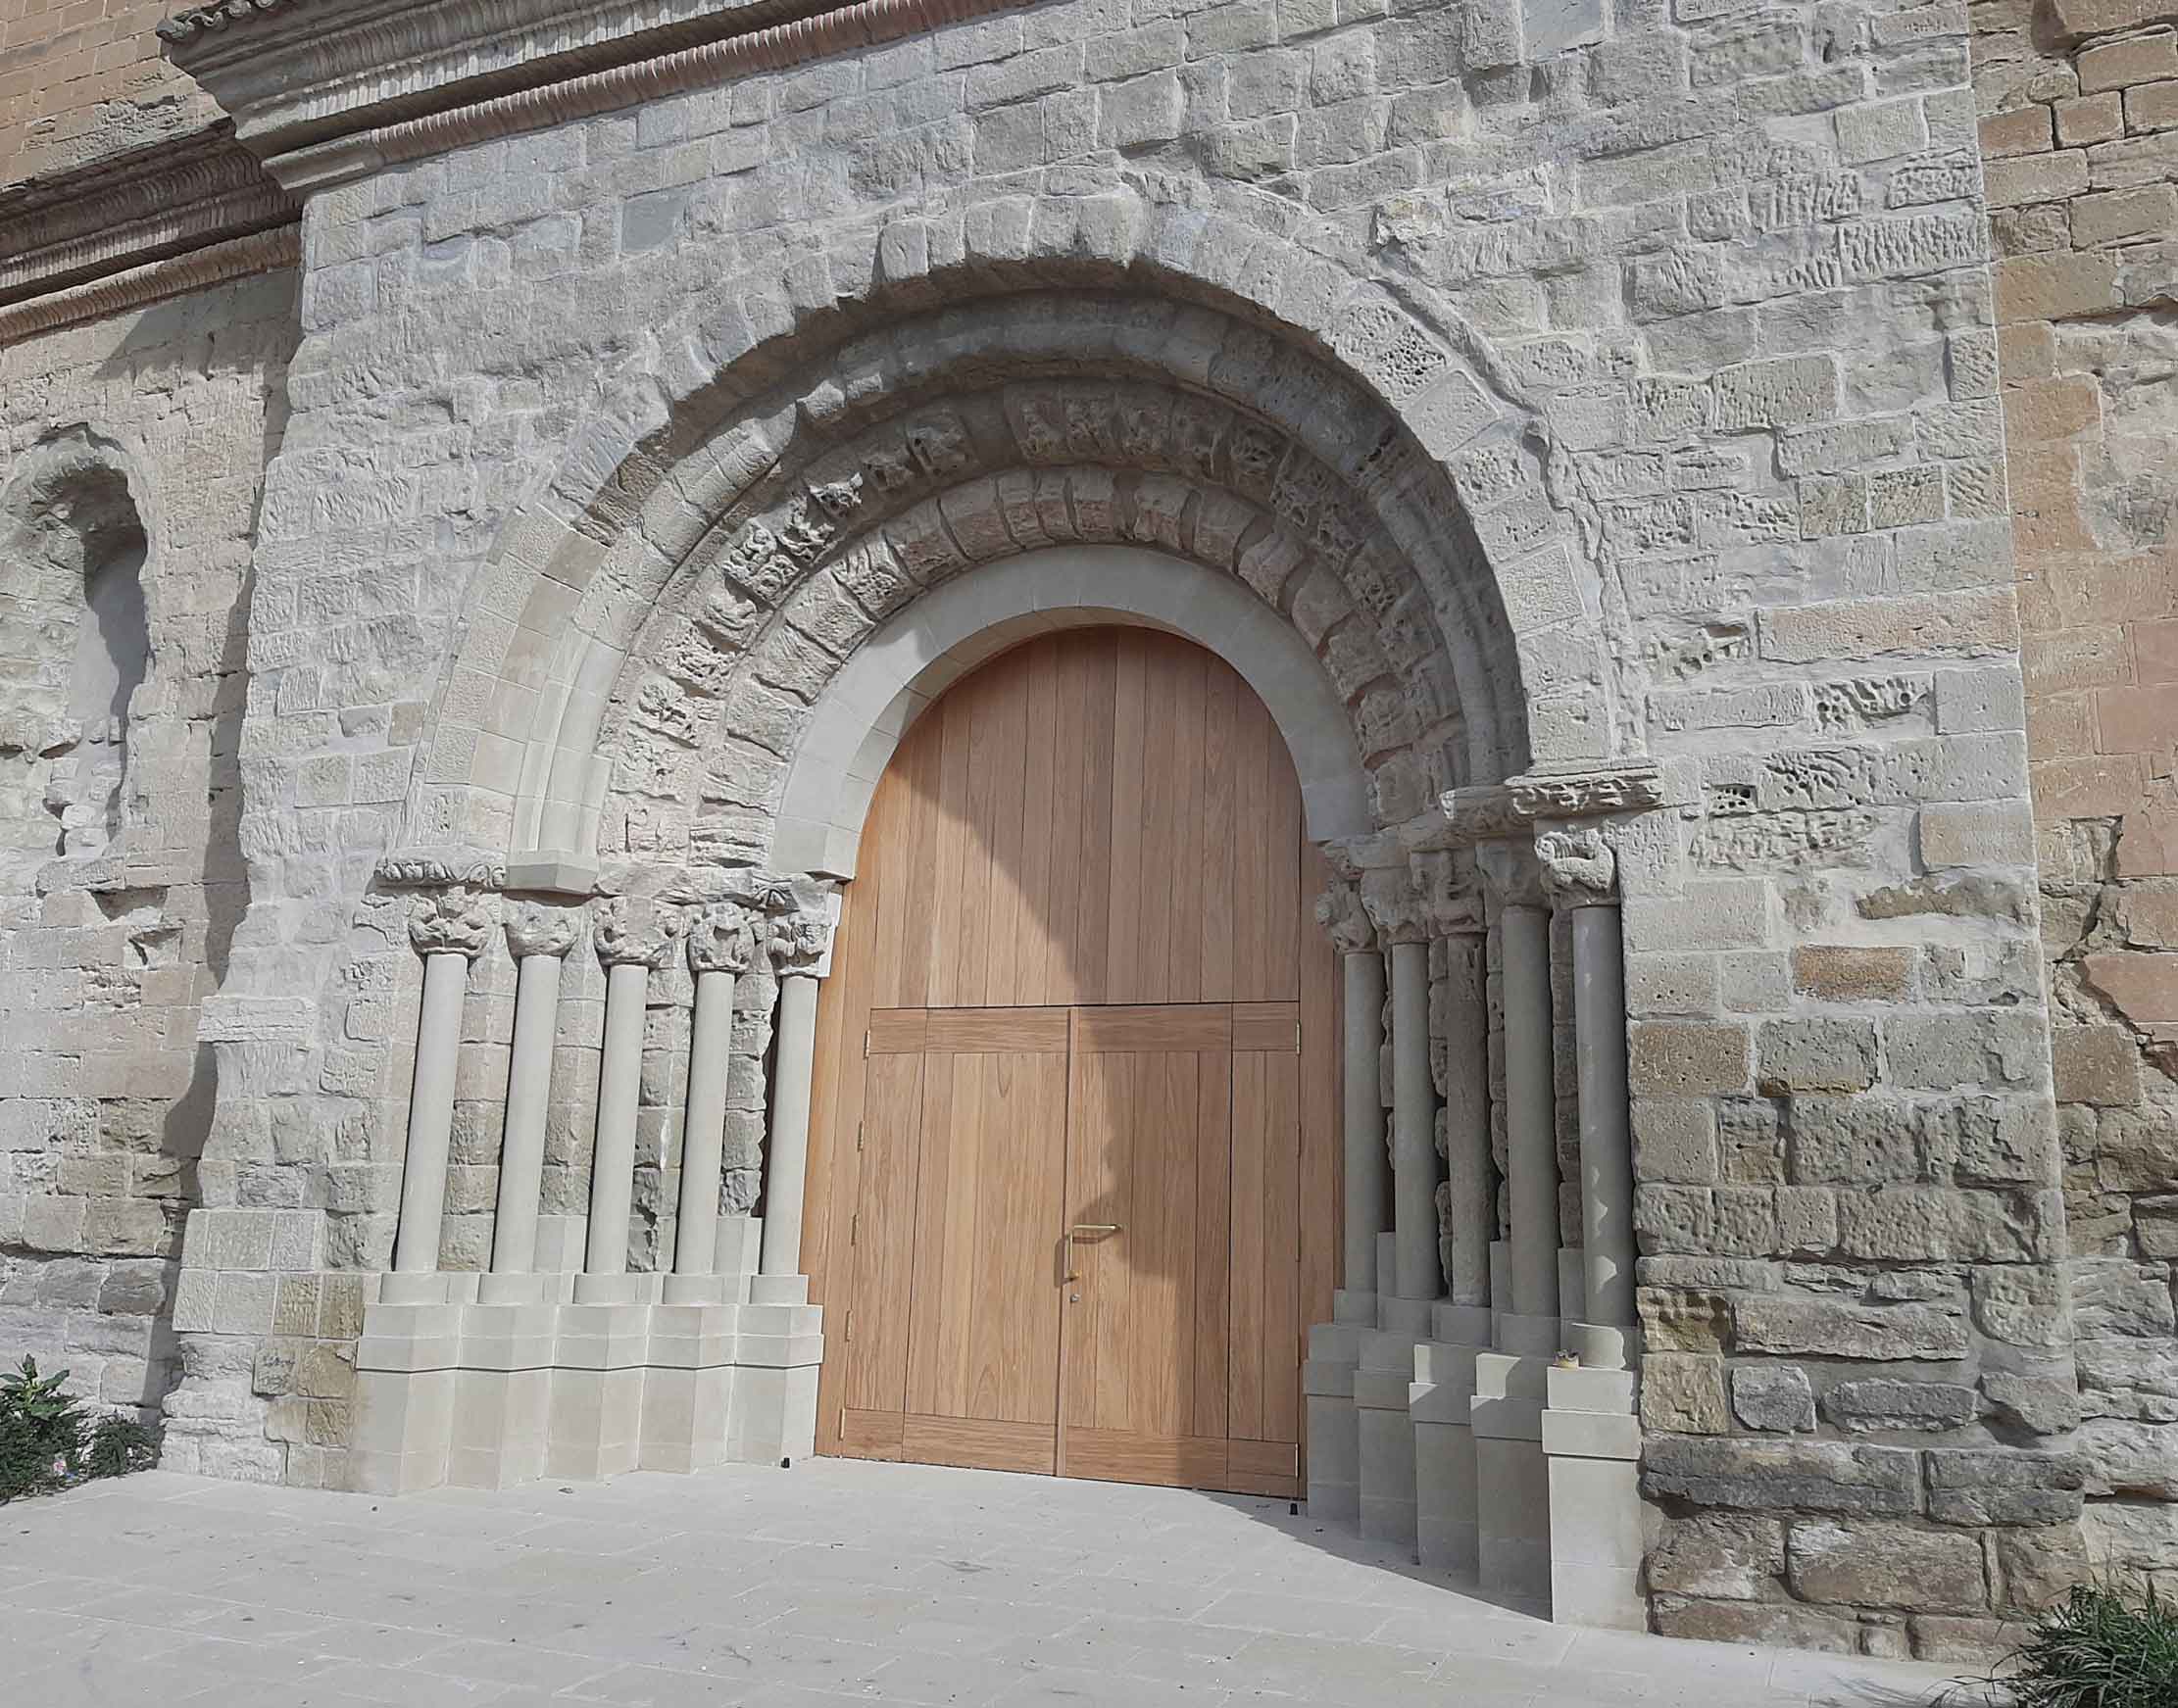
(722,939)
(631,929)
(452,921)
(1579,870)
(1510,874)
(539,928)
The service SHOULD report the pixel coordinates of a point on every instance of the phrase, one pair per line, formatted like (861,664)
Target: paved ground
(830,1583)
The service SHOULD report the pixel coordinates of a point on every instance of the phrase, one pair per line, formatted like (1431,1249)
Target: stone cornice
(131,209)
(1508,811)
(134,286)
(326,94)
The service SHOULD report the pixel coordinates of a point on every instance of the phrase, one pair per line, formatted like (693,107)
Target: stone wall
(79,81)
(2077,127)
(142,439)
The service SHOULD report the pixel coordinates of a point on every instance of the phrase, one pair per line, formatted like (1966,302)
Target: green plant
(47,1442)
(2099,1647)
(41,1433)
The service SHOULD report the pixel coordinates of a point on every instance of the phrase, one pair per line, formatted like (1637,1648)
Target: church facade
(1408,755)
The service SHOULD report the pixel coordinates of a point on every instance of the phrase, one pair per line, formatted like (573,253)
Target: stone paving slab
(834,1583)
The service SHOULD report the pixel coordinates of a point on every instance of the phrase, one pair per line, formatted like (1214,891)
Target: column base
(1513,1492)
(1440,1404)
(1385,1435)
(489,1396)
(1334,1468)
(1599,1525)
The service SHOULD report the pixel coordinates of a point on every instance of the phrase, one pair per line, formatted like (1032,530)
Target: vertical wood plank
(1249,1178)
(1005,740)
(1280,1280)
(1221,829)
(1213,1247)
(1038,928)
(1123,981)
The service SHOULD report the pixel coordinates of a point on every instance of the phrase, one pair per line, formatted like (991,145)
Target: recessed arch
(910,660)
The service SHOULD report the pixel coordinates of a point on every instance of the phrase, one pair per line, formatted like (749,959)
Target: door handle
(1078,1231)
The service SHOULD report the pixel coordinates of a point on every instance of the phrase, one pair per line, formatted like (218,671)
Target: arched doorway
(1075,1168)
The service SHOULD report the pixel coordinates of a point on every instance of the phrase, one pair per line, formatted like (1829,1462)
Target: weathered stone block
(1886,1565)
(1841,1329)
(1765,1624)
(1723,1555)
(1815,1055)
(1674,1321)
(1769,1476)
(1772,1396)
(1884,1404)
(1985,1485)
(1683,1393)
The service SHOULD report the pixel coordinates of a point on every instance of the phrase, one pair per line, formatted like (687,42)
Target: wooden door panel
(980,1442)
(1144,1353)
(983,1341)
(997,1031)
(1152,1029)
(1266,1248)
(880,1237)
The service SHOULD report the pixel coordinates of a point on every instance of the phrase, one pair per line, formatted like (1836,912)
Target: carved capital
(451,921)
(1344,919)
(1579,870)
(634,928)
(801,938)
(539,928)
(1450,889)
(1395,905)
(722,939)
(1510,875)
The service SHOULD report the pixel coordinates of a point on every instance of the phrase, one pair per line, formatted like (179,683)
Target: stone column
(1581,872)
(1335,1346)
(1441,1399)
(539,937)
(1590,1431)
(633,936)
(721,944)
(1512,1536)
(799,943)
(448,930)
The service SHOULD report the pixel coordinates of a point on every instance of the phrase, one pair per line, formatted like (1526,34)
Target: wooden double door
(1073,1184)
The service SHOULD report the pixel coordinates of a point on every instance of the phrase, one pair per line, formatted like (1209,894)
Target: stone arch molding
(722,535)
(909,663)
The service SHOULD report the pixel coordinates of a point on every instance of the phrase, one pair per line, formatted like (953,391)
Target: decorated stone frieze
(1579,868)
(428,868)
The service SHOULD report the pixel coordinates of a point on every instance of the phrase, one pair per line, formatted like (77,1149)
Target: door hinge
(857,1134)
(1297,1038)
(855,1228)
(846,1330)
(865,1046)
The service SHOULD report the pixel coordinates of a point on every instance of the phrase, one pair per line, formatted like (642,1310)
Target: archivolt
(742,546)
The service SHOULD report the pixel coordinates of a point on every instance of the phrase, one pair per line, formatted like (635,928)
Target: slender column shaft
(1468,1122)
(1606,1142)
(1531,1162)
(787,1166)
(1414,1128)
(620,1087)
(514,1246)
(1364,1124)
(696,1235)
(438,1045)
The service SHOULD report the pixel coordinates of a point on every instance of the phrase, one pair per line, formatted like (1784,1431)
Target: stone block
(1766,1624)
(1726,1556)
(1976,833)
(1985,1485)
(1684,1321)
(1773,1396)
(1846,973)
(1815,1055)
(1886,1565)
(1837,1328)
(1678,1059)
(1683,1393)
(1885,1403)
(1762,1475)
